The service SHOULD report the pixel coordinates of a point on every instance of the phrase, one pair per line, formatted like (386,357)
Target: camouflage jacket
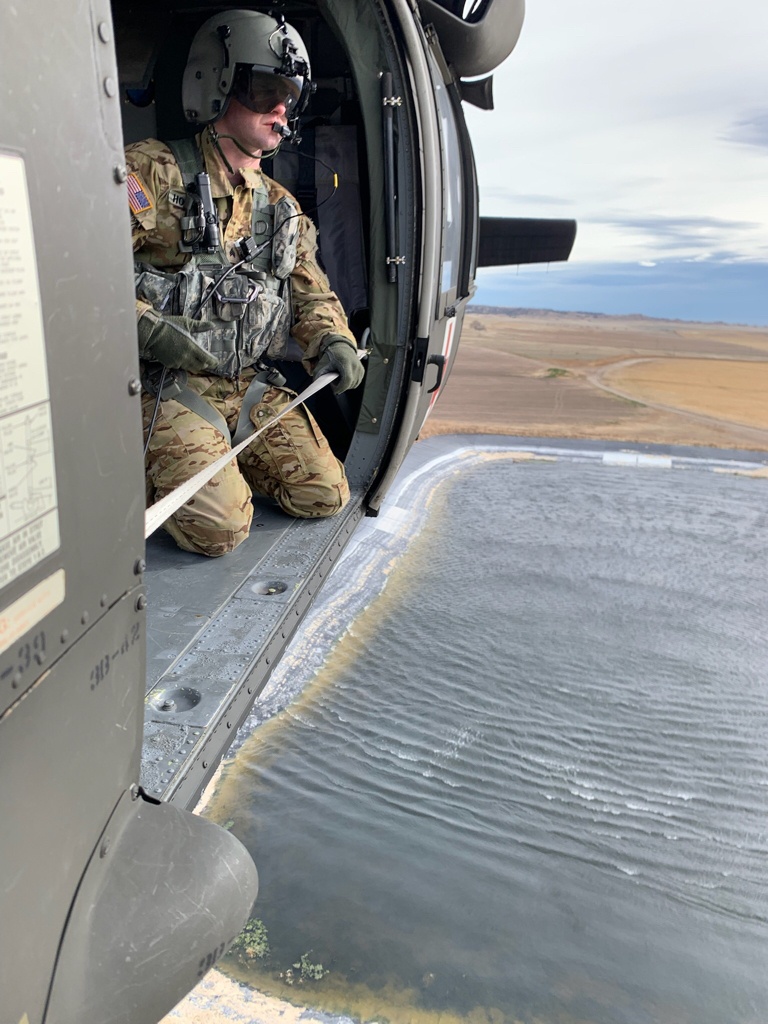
(156,232)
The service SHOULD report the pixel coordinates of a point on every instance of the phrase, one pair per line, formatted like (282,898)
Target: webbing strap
(197,404)
(254,394)
(188,157)
(190,160)
(156,514)
(184,395)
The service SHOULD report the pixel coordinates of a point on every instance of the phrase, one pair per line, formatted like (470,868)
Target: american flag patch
(138,200)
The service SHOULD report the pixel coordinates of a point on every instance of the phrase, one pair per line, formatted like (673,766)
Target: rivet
(141,603)
(84,618)
(205,764)
(134,386)
(109,86)
(64,635)
(374,419)
(16,681)
(385,361)
(120,174)
(104,33)
(229,725)
(103,600)
(139,566)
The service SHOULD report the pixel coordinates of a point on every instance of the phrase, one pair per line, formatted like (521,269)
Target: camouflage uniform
(292,461)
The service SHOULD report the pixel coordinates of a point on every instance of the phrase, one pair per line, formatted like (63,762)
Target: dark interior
(153,40)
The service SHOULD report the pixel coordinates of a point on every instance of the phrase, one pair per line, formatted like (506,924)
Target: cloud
(700,237)
(672,289)
(750,131)
(684,228)
(500,194)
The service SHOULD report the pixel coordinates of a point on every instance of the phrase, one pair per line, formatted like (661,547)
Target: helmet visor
(262,92)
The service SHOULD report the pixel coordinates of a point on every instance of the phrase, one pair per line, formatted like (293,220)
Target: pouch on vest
(154,286)
(284,241)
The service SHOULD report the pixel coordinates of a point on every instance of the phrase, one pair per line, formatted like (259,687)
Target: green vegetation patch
(556,371)
(251,949)
(252,944)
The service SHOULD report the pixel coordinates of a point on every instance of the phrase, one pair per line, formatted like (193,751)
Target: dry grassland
(609,378)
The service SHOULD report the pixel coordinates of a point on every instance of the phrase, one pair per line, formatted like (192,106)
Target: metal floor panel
(215,629)
(186,591)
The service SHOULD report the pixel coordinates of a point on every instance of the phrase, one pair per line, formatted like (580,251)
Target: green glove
(339,355)
(170,340)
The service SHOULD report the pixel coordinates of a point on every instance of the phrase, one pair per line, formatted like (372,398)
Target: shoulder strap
(262,227)
(188,157)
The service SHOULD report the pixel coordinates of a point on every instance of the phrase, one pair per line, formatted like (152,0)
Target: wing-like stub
(508,241)
(163,897)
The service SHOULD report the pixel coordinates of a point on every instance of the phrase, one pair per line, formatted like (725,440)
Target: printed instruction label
(29,518)
(23,615)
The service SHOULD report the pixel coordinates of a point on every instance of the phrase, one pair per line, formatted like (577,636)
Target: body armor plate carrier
(248,302)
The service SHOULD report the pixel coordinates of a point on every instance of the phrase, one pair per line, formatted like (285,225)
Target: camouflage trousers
(291,462)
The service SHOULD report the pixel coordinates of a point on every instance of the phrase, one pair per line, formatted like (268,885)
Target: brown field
(608,378)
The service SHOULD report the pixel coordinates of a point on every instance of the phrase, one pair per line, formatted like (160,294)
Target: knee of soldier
(215,545)
(320,500)
(210,536)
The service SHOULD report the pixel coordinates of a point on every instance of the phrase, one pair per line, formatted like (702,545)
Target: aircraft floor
(215,628)
(185,591)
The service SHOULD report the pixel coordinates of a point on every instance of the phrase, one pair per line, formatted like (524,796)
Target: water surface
(531,784)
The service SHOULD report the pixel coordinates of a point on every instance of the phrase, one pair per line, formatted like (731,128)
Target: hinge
(392,101)
(398,261)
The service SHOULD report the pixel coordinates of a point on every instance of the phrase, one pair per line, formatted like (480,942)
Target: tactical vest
(249,306)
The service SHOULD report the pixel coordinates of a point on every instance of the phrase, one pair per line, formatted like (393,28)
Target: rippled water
(532,783)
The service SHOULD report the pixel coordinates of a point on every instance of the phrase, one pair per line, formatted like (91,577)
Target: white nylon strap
(156,514)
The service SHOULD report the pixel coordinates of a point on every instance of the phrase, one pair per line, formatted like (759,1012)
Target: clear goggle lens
(262,92)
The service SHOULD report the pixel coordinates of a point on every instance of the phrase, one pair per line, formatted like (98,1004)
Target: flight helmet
(258,59)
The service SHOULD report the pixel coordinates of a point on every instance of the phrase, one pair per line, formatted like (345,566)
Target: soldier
(223,276)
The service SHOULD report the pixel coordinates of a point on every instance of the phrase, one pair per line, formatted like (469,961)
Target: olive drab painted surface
(73,608)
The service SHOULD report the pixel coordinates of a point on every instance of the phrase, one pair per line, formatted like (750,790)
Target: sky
(648,124)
